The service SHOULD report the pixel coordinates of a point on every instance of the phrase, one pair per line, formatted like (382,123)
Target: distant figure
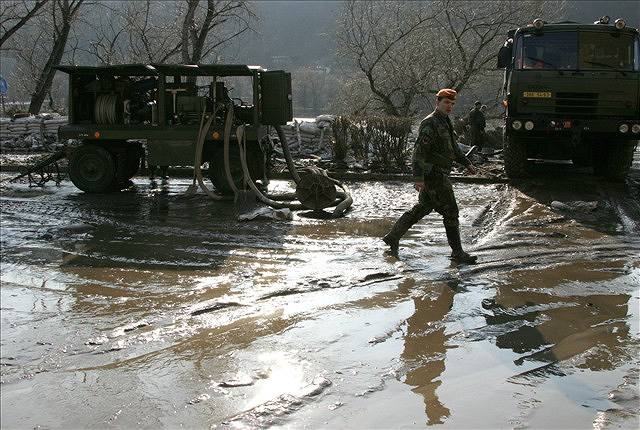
(477,123)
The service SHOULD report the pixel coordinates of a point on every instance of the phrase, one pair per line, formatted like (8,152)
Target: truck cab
(572,92)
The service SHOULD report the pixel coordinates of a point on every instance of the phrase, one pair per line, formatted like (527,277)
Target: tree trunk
(48,72)
(187,26)
(22,21)
(68,10)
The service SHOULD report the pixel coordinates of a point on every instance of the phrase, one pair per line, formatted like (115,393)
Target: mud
(153,308)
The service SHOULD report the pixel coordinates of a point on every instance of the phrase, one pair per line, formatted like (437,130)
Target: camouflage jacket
(436,147)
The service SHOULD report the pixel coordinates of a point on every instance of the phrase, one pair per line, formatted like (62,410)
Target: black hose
(241,135)
(227,135)
(287,154)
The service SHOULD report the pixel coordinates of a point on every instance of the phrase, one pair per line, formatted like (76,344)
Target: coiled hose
(345,199)
(105,109)
(342,203)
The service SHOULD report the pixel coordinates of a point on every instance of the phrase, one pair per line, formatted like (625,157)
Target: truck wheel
(614,161)
(515,157)
(92,169)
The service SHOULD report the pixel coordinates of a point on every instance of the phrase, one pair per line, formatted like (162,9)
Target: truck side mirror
(505,55)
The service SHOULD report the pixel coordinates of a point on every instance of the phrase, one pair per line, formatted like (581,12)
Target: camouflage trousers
(437,195)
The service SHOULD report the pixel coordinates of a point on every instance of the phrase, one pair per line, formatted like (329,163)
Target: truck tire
(92,169)
(515,157)
(614,161)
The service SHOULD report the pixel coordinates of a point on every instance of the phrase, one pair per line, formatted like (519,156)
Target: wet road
(151,308)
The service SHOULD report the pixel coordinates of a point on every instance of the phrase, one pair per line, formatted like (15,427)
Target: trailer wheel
(92,169)
(132,160)
(614,161)
(255,163)
(515,157)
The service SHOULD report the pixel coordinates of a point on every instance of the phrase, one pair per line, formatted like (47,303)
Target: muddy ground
(151,308)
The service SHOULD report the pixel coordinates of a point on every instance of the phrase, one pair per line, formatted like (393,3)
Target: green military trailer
(182,114)
(572,93)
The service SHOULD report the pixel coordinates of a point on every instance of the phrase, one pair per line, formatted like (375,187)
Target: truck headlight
(528,125)
(538,23)
(517,125)
(620,24)
(623,128)
(635,128)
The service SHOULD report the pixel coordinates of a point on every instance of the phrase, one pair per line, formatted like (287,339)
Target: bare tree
(108,24)
(407,50)
(209,26)
(160,32)
(314,88)
(15,14)
(63,14)
(379,38)
(152,31)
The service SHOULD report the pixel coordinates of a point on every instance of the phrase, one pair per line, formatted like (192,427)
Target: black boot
(457,254)
(393,242)
(398,230)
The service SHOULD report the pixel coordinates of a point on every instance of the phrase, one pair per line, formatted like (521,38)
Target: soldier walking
(477,123)
(434,153)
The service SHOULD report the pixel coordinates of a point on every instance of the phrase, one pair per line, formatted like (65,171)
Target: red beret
(448,93)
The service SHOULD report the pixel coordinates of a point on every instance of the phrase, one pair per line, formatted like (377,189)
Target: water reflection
(425,350)
(563,318)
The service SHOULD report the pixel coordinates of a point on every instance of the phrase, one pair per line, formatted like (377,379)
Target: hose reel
(106,109)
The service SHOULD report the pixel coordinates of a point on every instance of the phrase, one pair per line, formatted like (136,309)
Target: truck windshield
(600,50)
(571,50)
(551,50)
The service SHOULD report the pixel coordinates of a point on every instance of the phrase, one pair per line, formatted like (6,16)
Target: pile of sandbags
(31,133)
(310,136)
(52,122)
(4,127)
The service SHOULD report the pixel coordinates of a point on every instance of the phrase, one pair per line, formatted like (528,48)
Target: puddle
(151,308)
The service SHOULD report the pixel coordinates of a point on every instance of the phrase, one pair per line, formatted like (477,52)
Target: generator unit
(117,111)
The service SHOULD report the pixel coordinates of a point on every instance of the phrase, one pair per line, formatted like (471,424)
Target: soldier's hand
(418,186)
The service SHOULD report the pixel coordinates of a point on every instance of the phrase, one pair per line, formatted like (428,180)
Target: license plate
(538,94)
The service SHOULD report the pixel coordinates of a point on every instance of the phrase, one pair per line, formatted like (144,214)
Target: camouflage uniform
(434,153)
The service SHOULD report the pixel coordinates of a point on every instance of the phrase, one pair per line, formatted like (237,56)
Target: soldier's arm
(420,163)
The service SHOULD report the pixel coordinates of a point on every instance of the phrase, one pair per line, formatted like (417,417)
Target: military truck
(572,93)
(118,111)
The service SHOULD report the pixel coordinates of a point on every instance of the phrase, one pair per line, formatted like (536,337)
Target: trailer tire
(133,159)
(255,163)
(515,157)
(614,161)
(92,169)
